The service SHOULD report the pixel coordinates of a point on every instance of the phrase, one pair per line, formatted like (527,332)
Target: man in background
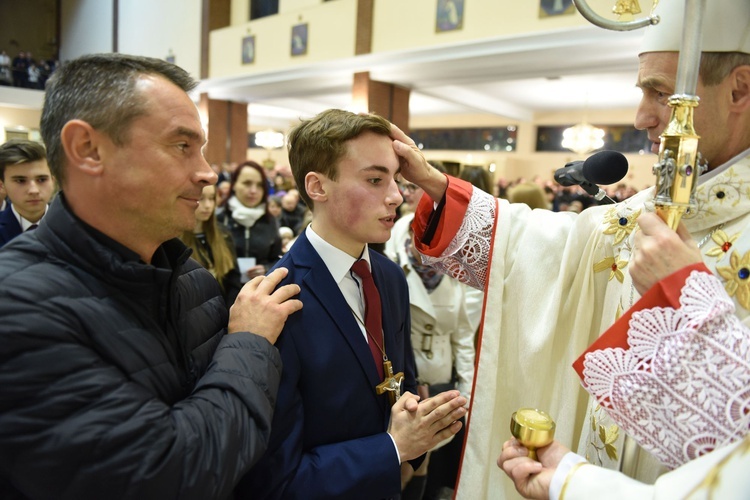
(26,181)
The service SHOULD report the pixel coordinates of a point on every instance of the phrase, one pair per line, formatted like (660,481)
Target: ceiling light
(583,138)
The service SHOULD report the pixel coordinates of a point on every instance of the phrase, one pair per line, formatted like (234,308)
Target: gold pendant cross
(391,383)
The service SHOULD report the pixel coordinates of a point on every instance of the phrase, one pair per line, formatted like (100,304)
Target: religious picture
(248,49)
(549,8)
(450,15)
(299,39)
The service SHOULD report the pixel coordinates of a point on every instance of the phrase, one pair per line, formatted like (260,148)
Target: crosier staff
(679,162)
(678,166)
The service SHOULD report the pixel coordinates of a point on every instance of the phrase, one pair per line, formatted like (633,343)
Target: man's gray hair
(100,89)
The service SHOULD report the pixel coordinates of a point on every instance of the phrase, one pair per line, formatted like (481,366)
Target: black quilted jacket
(117,379)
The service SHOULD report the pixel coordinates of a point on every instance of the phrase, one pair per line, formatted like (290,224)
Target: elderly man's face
(656,78)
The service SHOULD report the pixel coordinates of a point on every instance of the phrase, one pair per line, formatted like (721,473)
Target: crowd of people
(379,351)
(25,71)
(546,193)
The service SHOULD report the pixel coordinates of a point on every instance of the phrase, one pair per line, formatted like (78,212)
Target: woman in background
(530,193)
(213,247)
(442,337)
(254,230)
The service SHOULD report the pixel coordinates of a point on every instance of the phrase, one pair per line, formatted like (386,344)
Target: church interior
(489,83)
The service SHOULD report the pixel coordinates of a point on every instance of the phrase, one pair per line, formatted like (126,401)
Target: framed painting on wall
(549,8)
(299,39)
(248,49)
(449,15)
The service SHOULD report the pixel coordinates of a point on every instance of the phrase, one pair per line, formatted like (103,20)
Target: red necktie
(373,315)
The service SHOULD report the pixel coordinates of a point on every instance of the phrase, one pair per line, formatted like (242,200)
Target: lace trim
(467,256)
(683,387)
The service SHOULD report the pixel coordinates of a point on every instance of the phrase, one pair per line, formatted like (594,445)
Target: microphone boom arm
(598,193)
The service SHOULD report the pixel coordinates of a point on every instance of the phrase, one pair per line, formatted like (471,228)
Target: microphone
(604,167)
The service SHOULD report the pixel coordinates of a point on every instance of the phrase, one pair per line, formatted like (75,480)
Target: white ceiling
(571,69)
(514,78)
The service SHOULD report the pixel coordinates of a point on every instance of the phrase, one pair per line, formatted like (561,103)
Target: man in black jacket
(118,375)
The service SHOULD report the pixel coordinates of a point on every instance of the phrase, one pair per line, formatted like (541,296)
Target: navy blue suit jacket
(328,436)
(9,226)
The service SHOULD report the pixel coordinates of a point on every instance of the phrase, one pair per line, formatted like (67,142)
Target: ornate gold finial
(626,8)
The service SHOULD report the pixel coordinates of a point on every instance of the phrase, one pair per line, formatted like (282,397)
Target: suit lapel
(320,284)
(390,317)
(9,226)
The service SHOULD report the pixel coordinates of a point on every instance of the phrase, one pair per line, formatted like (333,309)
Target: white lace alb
(467,256)
(682,388)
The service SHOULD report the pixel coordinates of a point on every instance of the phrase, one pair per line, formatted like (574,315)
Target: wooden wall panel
(216,148)
(238,132)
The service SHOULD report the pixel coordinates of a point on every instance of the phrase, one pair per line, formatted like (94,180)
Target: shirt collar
(25,223)
(338,262)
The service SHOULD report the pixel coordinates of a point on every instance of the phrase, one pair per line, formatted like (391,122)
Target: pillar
(227,130)
(385,99)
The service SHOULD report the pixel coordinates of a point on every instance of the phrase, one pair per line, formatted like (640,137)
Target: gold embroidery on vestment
(614,226)
(734,282)
(614,266)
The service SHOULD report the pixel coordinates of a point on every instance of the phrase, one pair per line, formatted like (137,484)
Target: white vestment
(554,282)
(721,474)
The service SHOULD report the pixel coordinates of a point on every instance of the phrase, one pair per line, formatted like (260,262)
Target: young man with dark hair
(27,184)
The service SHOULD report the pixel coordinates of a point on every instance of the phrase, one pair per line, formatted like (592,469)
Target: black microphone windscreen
(605,167)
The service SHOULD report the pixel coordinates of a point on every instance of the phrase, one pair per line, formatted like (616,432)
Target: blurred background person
(6,75)
(213,246)
(530,193)
(254,230)
(412,193)
(479,177)
(286,235)
(274,207)
(223,192)
(28,184)
(292,211)
(442,337)
(306,220)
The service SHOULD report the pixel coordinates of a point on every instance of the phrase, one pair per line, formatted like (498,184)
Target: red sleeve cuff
(457,197)
(665,293)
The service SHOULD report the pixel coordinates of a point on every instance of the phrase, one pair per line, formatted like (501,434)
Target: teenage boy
(336,433)
(25,177)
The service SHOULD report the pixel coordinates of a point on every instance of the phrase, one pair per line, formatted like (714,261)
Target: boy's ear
(315,185)
(81,143)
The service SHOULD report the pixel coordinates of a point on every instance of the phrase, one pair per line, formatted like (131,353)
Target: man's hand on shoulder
(262,309)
